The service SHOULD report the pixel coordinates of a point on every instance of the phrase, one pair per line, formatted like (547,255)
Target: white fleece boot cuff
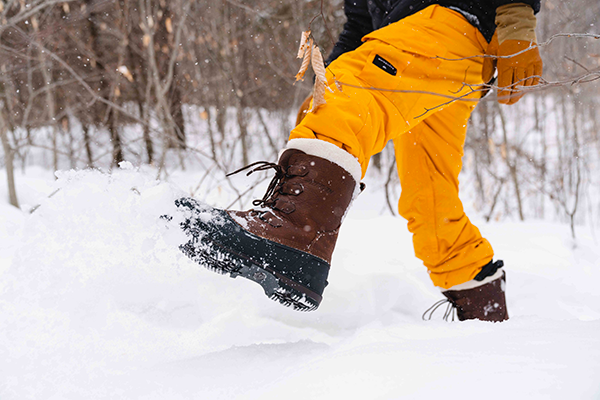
(473,283)
(330,152)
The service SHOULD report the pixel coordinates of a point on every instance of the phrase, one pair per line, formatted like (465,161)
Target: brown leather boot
(286,245)
(304,207)
(482,298)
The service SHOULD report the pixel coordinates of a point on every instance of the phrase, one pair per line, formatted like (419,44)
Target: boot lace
(268,199)
(450,310)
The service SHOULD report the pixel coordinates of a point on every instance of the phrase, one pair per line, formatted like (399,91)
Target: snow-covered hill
(96,302)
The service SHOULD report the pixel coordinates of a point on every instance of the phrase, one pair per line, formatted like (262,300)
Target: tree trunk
(177,113)
(115,138)
(512,165)
(221,118)
(9,161)
(88,145)
(211,134)
(146,132)
(243,125)
(376,160)
(51,107)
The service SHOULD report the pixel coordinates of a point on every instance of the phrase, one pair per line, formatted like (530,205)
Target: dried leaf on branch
(318,64)
(310,53)
(303,44)
(320,80)
(305,62)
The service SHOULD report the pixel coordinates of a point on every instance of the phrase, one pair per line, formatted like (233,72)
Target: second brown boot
(482,298)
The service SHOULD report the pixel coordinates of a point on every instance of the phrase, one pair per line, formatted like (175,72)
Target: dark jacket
(365,16)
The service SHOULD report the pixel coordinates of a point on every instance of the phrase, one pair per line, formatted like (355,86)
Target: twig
(495,199)
(242,194)
(577,63)
(22,16)
(261,14)
(531,47)
(322,15)
(173,59)
(376,89)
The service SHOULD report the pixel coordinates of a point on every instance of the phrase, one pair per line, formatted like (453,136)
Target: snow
(97,302)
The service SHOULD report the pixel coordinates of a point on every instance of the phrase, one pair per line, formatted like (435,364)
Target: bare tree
(8,163)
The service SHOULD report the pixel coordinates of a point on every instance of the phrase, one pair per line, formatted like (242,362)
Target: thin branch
(531,47)
(261,14)
(22,16)
(578,64)
(322,15)
(169,80)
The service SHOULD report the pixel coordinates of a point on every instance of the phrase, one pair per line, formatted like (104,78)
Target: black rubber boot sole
(293,278)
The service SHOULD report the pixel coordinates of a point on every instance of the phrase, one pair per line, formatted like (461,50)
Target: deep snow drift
(96,301)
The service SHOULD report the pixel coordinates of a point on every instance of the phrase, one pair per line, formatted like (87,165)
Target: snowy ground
(96,302)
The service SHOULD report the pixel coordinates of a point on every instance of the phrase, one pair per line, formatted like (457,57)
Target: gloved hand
(521,70)
(304,109)
(515,32)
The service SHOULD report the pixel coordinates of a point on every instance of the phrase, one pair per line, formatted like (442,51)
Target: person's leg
(377,92)
(429,159)
(401,75)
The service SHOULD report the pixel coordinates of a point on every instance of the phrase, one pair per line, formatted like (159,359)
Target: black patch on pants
(385,65)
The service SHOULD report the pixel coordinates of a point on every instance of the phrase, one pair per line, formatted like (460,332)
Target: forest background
(210,85)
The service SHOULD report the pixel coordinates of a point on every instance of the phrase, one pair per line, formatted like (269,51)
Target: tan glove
(304,109)
(515,32)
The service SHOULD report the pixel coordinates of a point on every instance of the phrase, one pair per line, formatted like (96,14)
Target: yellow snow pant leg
(396,81)
(429,159)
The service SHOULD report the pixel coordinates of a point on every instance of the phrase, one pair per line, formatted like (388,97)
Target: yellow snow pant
(401,84)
